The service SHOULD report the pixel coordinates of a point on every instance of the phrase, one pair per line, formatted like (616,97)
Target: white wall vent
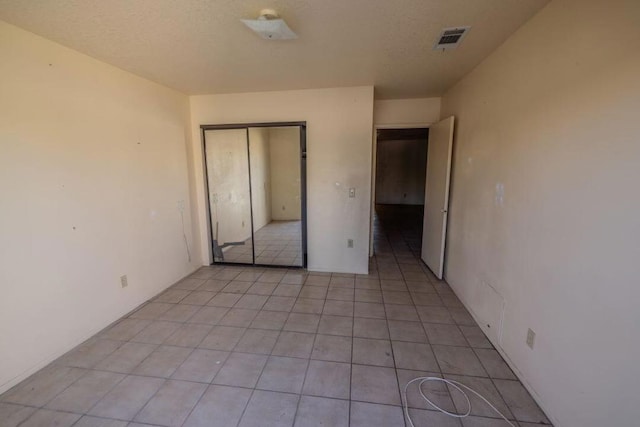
(450,38)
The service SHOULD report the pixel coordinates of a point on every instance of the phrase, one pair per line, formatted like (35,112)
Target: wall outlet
(531,338)
(352,192)
(124,282)
(181,205)
(350,243)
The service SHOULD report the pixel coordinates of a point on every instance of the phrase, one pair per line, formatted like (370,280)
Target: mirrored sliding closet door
(227,161)
(256,190)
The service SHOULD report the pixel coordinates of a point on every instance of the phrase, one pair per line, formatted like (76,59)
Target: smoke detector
(450,38)
(270,26)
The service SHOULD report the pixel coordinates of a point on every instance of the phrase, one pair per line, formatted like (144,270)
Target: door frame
(303,186)
(374,159)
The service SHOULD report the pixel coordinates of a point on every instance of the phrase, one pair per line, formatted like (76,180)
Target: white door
(436,199)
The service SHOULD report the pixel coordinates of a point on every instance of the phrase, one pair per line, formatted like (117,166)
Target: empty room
(296,213)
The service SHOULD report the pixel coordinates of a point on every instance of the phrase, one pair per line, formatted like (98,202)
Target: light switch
(352,192)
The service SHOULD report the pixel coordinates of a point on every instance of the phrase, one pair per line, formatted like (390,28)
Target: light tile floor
(277,243)
(232,346)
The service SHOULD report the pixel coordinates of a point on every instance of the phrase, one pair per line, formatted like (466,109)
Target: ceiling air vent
(450,38)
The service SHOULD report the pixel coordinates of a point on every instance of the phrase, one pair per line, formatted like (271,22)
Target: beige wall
(553,116)
(285,173)
(93,166)
(260,154)
(399,112)
(339,135)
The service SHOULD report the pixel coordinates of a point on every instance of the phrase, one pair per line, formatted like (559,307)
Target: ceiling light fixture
(270,26)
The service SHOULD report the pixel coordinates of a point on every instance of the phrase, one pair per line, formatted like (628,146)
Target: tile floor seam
(253,390)
(124,376)
(23,422)
(95,416)
(194,405)
(400,388)
(515,417)
(306,372)
(395,366)
(44,404)
(148,400)
(244,410)
(353,325)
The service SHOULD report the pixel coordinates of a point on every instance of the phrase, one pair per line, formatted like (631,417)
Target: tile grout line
(393,358)
(306,372)
(353,325)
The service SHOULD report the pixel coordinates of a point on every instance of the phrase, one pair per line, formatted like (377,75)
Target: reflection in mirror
(229,195)
(276,195)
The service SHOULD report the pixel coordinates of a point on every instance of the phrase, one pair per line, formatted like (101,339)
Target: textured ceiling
(201,47)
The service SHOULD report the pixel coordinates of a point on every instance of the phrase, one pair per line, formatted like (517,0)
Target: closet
(255,179)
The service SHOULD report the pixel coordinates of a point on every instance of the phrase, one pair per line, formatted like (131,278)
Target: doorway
(428,238)
(255,176)
(401,162)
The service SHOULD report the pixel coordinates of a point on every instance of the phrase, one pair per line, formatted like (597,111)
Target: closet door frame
(303,186)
